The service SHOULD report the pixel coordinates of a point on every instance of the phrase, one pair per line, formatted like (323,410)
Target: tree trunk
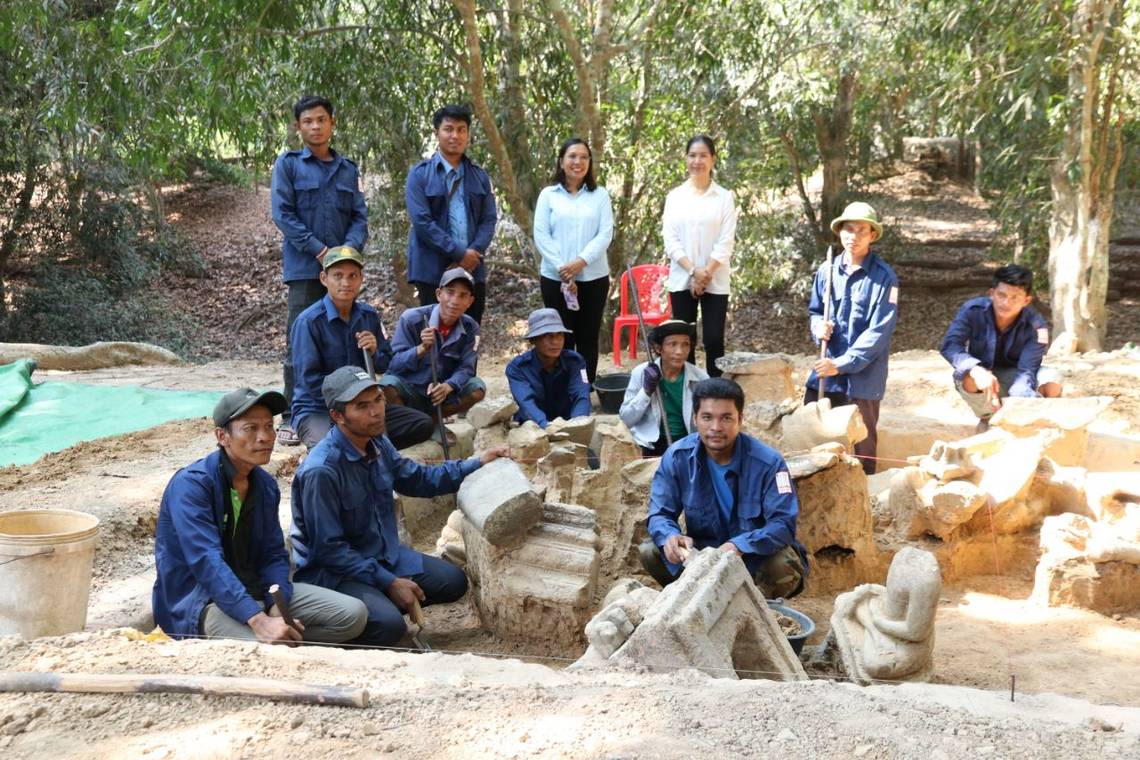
(832,128)
(1083,180)
(19,219)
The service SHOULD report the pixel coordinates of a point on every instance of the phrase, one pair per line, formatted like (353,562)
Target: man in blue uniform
(548,381)
(864,305)
(344,533)
(218,547)
(452,211)
(317,204)
(736,494)
(996,343)
(445,332)
(334,332)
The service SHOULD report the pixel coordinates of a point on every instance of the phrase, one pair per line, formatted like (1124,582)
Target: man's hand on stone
(272,629)
(490,455)
(673,545)
(730,547)
(366,340)
(404,592)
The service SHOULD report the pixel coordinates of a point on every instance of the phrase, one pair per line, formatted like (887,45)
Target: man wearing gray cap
(344,524)
(548,381)
(218,547)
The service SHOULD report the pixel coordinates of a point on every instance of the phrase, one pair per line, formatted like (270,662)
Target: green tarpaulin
(37,419)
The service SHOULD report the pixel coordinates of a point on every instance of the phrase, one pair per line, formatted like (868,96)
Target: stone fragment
(491,411)
(450,545)
(578,430)
(490,437)
(463,439)
(888,632)
(764,377)
(817,422)
(622,611)
(1060,423)
(542,588)
(947,461)
(1089,564)
(614,445)
(556,471)
(712,618)
(423,517)
(500,502)
(528,444)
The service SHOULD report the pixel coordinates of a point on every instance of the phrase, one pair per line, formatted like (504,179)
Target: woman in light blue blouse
(573,226)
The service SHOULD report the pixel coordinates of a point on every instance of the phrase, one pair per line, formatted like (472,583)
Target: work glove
(650,378)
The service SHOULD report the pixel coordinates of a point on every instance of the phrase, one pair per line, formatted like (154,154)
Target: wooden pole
(170,683)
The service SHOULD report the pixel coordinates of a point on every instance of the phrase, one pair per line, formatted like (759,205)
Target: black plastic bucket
(807,625)
(611,391)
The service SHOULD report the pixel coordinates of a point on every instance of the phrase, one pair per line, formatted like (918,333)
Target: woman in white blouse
(573,226)
(699,228)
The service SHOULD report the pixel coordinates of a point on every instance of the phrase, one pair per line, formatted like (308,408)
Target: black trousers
(426,293)
(586,323)
(403,425)
(867,448)
(302,295)
(714,314)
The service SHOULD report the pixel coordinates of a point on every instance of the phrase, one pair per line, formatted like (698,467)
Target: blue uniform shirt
(344,521)
(431,245)
(316,206)
(762,520)
(973,339)
(457,358)
(543,396)
(188,554)
(323,342)
(864,307)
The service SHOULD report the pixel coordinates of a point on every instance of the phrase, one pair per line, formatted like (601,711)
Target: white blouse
(702,226)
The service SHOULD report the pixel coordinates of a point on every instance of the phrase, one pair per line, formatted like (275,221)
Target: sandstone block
(463,433)
(500,502)
(528,444)
(817,422)
(764,377)
(578,430)
(1089,564)
(1061,423)
(491,411)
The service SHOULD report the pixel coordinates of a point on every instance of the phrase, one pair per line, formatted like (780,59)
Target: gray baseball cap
(345,384)
(457,273)
(236,403)
(543,322)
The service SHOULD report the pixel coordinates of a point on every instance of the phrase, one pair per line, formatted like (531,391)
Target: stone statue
(887,632)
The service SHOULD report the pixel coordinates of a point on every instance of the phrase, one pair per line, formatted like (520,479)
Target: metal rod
(435,381)
(648,349)
(826,317)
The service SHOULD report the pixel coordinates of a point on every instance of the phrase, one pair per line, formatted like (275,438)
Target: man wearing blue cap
(548,381)
(344,534)
(218,547)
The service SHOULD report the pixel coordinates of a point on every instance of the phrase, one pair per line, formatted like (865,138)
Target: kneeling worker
(441,333)
(736,494)
(218,547)
(548,381)
(996,344)
(344,524)
(333,333)
(674,377)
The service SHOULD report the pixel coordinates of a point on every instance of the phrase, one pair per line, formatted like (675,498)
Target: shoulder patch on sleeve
(1043,335)
(585,377)
(475,347)
(893,298)
(783,482)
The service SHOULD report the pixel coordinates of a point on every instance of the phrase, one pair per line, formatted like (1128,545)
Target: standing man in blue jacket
(335,332)
(548,381)
(317,204)
(452,211)
(218,547)
(864,301)
(736,494)
(996,344)
(344,533)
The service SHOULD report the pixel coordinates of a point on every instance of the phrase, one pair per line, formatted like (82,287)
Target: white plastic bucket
(45,571)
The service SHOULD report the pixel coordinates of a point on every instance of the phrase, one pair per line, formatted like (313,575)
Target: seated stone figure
(887,632)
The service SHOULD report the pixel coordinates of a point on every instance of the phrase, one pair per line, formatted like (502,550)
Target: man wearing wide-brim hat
(548,381)
(218,548)
(863,302)
(671,375)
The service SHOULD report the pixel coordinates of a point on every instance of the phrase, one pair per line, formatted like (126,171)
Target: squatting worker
(445,332)
(334,332)
(218,547)
(864,304)
(735,492)
(996,344)
(573,227)
(317,204)
(452,211)
(548,381)
(699,230)
(671,375)
(344,525)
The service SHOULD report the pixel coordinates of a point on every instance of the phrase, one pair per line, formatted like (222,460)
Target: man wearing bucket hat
(548,381)
(218,547)
(333,333)
(344,534)
(439,340)
(674,377)
(862,308)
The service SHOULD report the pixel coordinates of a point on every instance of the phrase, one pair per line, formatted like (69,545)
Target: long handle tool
(648,348)
(826,316)
(438,407)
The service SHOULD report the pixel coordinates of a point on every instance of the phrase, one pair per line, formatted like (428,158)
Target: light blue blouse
(573,226)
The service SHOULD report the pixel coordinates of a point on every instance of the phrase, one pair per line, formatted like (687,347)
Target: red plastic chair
(655,304)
